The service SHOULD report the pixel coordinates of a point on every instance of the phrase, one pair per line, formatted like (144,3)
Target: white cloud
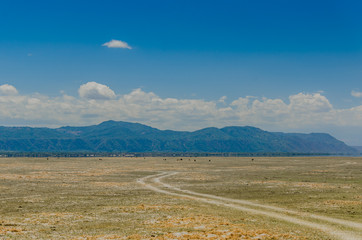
(303,111)
(356,94)
(93,90)
(116,44)
(310,103)
(222,99)
(7,89)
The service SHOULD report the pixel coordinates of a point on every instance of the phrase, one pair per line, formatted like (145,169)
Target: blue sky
(201,53)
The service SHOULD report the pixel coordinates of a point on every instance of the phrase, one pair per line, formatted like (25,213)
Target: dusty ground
(102,199)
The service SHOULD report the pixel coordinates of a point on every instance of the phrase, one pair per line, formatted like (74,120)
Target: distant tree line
(155,154)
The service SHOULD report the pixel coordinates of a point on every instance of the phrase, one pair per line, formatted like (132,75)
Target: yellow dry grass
(92,199)
(343,203)
(312,185)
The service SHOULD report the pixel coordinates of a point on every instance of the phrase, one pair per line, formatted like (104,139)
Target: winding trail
(329,225)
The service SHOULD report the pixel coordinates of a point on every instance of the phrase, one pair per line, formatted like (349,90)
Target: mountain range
(117,136)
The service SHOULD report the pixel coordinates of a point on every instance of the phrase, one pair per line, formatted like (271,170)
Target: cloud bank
(97,102)
(116,44)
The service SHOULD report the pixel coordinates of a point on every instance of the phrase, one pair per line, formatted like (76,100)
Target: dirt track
(328,225)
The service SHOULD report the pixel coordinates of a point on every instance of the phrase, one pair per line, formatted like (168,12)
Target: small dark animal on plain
(100,159)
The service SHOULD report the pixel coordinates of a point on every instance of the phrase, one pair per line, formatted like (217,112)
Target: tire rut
(261,209)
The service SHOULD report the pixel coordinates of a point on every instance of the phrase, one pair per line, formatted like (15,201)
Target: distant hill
(112,136)
(358,148)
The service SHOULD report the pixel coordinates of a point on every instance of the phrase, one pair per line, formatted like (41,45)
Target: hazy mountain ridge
(358,148)
(112,136)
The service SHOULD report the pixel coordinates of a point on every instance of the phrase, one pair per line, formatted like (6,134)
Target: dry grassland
(88,198)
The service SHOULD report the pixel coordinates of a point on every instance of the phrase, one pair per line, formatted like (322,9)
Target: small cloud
(222,99)
(93,90)
(8,90)
(116,44)
(356,94)
(30,54)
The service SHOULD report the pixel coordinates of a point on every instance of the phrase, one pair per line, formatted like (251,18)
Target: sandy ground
(154,183)
(296,198)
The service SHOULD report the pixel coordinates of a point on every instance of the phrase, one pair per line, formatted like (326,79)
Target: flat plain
(170,198)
